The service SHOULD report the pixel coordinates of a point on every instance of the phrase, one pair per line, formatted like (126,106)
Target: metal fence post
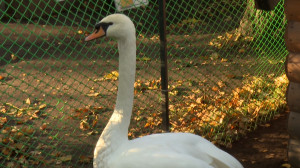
(164,64)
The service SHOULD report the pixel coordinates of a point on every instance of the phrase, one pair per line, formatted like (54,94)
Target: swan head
(117,26)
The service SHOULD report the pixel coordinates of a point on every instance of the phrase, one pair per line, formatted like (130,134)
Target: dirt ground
(264,148)
(63,84)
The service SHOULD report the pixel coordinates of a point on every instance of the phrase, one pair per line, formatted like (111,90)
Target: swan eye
(104,26)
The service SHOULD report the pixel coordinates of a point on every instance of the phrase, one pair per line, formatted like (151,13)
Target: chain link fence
(226,75)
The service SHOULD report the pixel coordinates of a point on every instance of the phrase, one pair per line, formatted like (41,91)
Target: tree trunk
(257,22)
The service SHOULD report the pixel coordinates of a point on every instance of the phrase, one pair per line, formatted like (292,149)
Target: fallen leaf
(18,146)
(27,101)
(146,125)
(199,100)
(35,153)
(193,119)
(93,94)
(241,50)
(28,130)
(42,106)
(34,115)
(43,127)
(58,162)
(34,162)
(13,57)
(95,122)
(144,59)
(221,84)
(214,56)
(3,120)
(23,160)
(5,140)
(215,88)
(92,133)
(84,125)
(273,62)
(286,165)
(20,122)
(12,165)
(85,159)
(65,158)
(56,153)
(49,161)
(231,76)
(266,125)
(270,156)
(18,135)
(111,76)
(224,60)
(6,130)
(6,151)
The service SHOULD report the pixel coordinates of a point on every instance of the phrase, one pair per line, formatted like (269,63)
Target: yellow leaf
(14,57)
(147,125)
(3,120)
(215,88)
(84,125)
(270,156)
(65,158)
(93,94)
(42,106)
(145,59)
(112,76)
(286,165)
(27,101)
(224,60)
(44,126)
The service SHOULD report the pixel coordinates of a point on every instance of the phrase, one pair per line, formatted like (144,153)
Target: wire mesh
(57,92)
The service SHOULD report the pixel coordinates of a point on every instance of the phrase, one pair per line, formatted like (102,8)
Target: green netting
(226,75)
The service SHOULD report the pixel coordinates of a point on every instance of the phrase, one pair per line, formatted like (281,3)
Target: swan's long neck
(123,109)
(116,131)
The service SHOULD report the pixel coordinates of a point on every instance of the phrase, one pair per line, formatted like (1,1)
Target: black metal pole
(164,64)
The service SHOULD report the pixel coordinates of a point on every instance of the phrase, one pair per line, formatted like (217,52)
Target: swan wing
(159,160)
(176,150)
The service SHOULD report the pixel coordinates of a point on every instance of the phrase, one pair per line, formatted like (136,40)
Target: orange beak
(97,34)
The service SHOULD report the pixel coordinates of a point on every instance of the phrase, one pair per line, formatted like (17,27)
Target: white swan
(166,150)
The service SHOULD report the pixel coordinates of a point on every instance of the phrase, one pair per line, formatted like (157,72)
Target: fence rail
(225,68)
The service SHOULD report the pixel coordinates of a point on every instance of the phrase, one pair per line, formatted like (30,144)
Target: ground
(71,84)
(266,147)
(263,148)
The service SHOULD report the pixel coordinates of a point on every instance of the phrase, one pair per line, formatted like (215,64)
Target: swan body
(166,150)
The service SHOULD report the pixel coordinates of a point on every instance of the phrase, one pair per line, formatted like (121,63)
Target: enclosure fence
(225,69)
